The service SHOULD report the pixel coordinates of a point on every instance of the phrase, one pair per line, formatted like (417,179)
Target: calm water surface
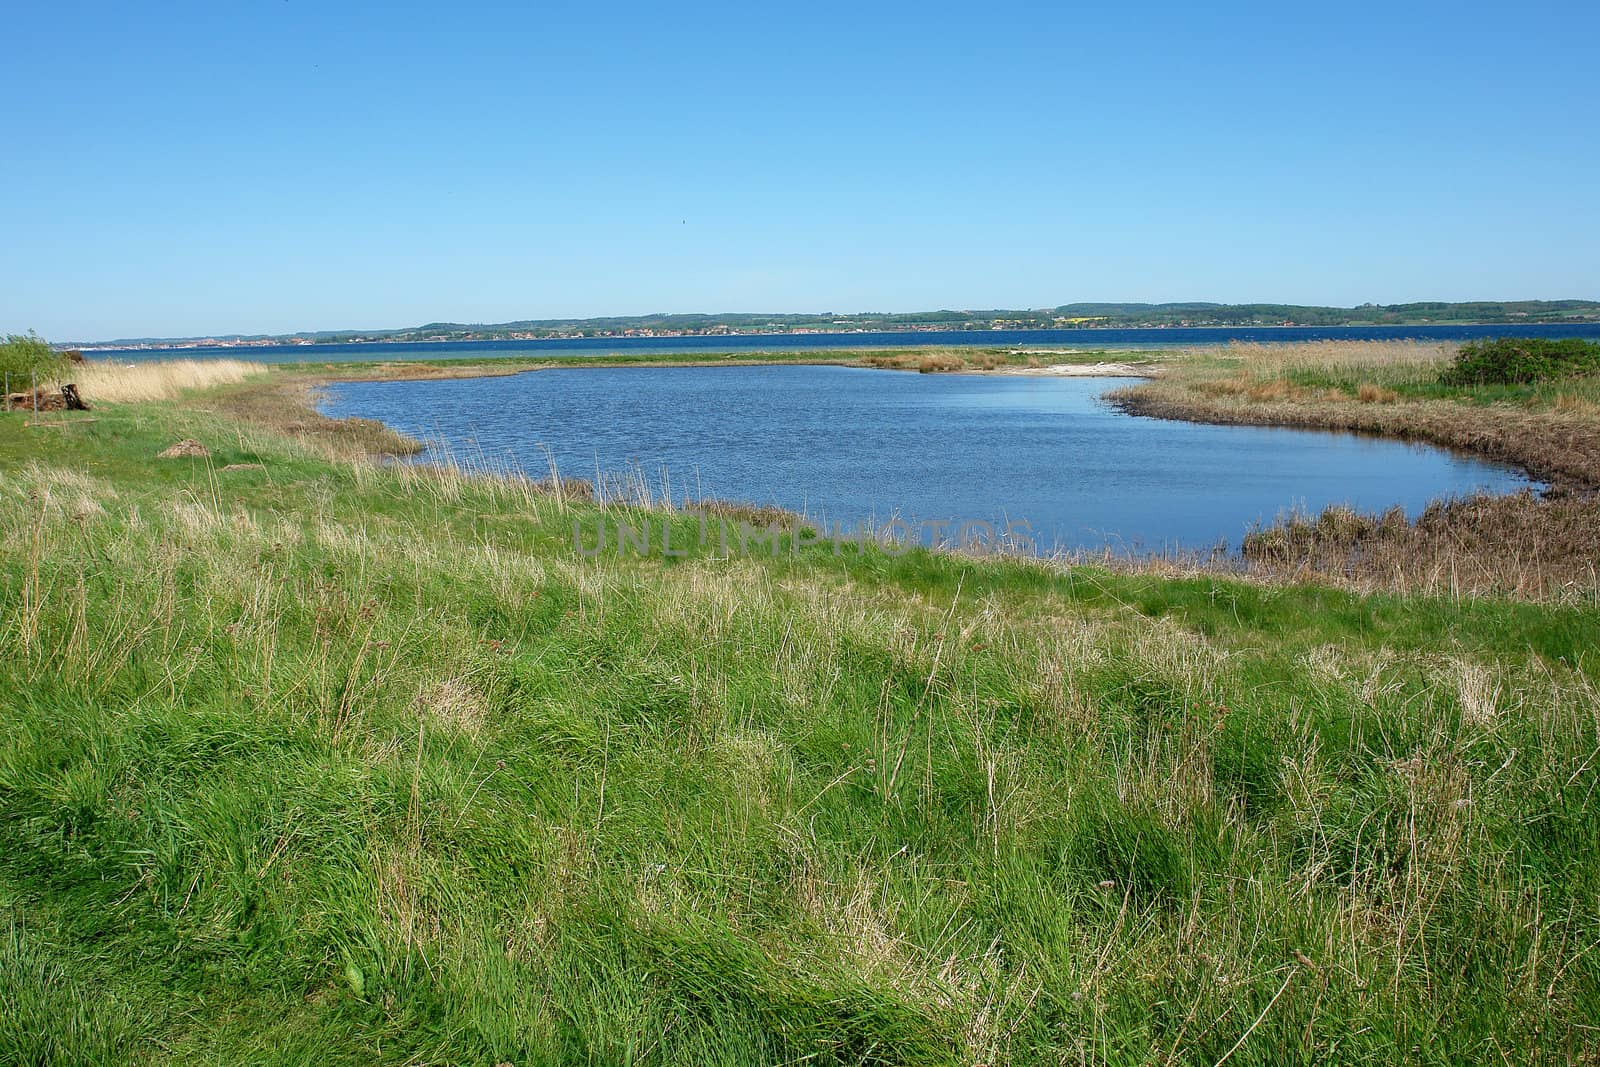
(851,445)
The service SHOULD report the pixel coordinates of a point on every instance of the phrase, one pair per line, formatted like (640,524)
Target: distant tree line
(1080,315)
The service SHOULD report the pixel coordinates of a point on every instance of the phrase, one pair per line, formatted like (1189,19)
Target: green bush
(25,355)
(1522,361)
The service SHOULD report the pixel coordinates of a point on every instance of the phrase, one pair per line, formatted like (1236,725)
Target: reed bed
(122,383)
(1519,546)
(1383,363)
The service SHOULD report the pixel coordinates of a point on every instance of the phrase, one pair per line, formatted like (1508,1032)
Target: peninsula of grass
(1496,405)
(927,359)
(308,757)
(1534,405)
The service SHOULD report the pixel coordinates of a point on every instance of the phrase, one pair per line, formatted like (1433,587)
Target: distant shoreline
(1100,337)
(741,335)
(1074,317)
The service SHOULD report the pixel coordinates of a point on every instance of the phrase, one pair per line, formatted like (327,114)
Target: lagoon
(854,446)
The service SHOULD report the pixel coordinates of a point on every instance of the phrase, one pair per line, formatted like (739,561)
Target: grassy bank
(1551,429)
(1538,547)
(305,757)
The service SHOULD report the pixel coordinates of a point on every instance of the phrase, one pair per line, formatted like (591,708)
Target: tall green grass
(325,760)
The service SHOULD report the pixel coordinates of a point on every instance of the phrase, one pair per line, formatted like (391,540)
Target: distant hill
(1086,316)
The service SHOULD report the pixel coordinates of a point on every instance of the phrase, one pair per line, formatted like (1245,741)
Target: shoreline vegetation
(307,755)
(1528,545)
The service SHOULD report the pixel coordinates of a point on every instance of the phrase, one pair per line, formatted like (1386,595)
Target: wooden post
(8,390)
(34,378)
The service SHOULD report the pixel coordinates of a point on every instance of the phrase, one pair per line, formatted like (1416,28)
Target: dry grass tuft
(762,515)
(1522,545)
(1273,390)
(184,449)
(117,383)
(1479,691)
(571,490)
(455,702)
(1270,391)
(940,361)
(1568,404)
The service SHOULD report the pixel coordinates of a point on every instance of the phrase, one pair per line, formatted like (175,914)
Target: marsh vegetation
(1523,545)
(309,757)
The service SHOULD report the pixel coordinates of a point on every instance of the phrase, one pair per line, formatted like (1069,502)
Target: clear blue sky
(282,165)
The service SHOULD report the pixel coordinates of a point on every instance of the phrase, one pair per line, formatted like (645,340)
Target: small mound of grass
(1522,361)
(939,362)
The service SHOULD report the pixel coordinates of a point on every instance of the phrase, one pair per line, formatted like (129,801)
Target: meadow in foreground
(320,758)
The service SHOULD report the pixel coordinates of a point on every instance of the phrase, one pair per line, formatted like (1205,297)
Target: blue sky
(281,165)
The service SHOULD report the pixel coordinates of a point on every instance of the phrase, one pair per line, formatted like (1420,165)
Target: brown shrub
(1275,389)
(940,363)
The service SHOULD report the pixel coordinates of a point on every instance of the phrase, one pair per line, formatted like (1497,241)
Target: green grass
(1533,395)
(322,760)
(1410,371)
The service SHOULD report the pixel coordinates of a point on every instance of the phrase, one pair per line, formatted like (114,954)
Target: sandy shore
(1081,370)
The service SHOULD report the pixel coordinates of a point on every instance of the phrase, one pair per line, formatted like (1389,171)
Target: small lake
(855,446)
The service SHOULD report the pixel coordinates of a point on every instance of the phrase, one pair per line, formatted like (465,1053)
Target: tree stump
(74,402)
